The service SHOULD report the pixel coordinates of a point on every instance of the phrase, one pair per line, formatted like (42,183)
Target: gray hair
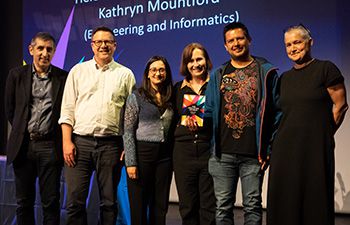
(43,36)
(306,34)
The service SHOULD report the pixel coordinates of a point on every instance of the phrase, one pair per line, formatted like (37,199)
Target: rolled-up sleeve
(131,83)
(69,100)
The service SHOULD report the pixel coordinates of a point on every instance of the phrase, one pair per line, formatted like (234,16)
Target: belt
(40,137)
(101,138)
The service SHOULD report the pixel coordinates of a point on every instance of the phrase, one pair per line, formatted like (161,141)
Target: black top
(182,133)
(238,108)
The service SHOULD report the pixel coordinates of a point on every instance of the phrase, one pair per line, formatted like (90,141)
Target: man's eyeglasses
(108,43)
(155,70)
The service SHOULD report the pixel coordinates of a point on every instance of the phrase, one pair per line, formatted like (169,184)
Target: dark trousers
(149,194)
(194,183)
(37,159)
(102,155)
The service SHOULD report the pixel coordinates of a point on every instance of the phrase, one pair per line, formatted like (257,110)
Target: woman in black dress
(313,103)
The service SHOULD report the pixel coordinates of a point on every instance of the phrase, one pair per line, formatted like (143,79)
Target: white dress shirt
(94,98)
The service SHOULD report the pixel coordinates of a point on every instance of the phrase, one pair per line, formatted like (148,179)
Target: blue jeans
(225,172)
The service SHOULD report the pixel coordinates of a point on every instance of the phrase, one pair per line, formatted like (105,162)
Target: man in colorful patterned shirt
(241,104)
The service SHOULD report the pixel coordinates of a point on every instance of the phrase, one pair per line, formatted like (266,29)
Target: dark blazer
(18,95)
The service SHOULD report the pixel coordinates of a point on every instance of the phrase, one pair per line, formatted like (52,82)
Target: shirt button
(162,128)
(195,142)
(196,135)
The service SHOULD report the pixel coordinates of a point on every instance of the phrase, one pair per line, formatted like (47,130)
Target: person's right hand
(132,172)
(69,153)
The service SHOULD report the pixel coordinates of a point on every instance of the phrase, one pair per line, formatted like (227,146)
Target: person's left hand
(264,165)
(191,124)
(132,172)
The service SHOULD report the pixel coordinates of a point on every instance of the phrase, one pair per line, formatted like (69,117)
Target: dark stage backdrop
(146,28)
(11,54)
(164,27)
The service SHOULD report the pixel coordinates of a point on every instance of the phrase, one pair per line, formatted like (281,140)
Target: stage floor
(173,216)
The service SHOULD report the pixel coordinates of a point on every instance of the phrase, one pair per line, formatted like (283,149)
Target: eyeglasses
(155,70)
(108,43)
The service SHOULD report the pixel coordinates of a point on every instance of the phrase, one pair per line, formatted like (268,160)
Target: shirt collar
(105,67)
(188,84)
(45,76)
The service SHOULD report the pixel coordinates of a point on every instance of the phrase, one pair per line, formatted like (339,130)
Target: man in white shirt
(91,120)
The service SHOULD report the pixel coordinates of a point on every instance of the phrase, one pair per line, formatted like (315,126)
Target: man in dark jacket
(32,104)
(241,104)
